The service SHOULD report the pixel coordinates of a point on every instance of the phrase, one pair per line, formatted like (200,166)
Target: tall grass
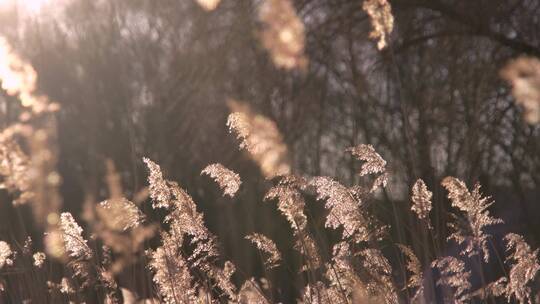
(361,264)
(187,266)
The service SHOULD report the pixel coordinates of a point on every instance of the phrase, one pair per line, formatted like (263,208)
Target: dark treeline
(138,78)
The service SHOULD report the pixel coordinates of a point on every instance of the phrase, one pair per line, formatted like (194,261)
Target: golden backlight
(29,6)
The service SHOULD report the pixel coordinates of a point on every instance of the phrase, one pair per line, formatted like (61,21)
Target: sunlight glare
(33,6)
(30,6)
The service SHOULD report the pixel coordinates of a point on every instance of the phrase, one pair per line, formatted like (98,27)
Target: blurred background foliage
(151,78)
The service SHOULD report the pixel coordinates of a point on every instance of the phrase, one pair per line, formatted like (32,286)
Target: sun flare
(30,6)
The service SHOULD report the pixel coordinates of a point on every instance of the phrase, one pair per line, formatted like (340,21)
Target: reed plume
(472,233)
(186,225)
(64,287)
(454,276)
(261,138)
(283,33)
(171,272)
(382,20)
(6,255)
(267,246)
(524,267)
(15,170)
(415,268)
(208,5)
(421,198)
(228,180)
(79,255)
(19,79)
(222,278)
(39,259)
(523,74)
(291,204)
(373,164)
(159,190)
(340,273)
(380,284)
(344,210)
(119,224)
(119,214)
(33,173)
(75,245)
